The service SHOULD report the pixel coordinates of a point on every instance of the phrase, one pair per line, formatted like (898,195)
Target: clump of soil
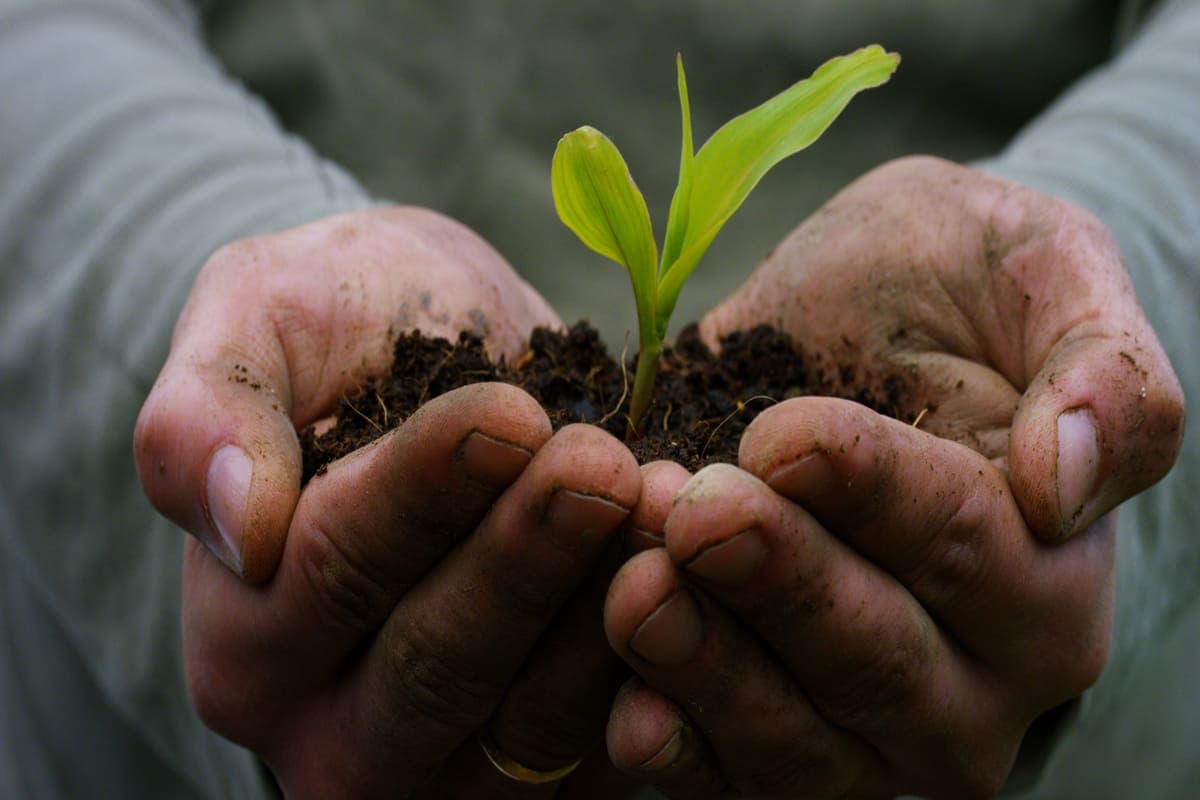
(702,401)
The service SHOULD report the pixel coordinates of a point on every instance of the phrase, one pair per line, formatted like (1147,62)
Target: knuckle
(344,591)
(238,255)
(955,559)
(887,683)
(1076,233)
(430,678)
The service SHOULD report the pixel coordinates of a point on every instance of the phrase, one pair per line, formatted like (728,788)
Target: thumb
(223,464)
(1101,421)
(276,328)
(215,444)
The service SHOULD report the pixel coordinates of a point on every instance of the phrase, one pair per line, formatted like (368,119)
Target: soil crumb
(702,401)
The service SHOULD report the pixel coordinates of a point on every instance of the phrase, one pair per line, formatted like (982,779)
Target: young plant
(597,199)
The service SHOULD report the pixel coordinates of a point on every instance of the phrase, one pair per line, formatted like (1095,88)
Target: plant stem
(643,382)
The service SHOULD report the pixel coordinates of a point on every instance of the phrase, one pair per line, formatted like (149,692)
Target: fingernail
(574,520)
(732,561)
(1078,462)
(672,632)
(667,755)
(490,461)
(226,492)
(808,476)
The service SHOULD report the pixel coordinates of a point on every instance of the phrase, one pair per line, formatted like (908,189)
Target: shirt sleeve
(126,158)
(1125,144)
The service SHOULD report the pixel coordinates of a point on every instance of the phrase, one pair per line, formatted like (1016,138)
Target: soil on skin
(702,402)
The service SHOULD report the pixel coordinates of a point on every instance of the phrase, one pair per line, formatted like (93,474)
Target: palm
(1001,306)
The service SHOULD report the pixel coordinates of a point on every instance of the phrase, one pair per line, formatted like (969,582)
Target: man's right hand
(439,585)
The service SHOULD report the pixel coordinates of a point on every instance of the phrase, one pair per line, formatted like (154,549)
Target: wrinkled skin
(446,580)
(866,608)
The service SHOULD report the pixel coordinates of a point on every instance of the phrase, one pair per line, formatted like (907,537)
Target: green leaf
(731,163)
(677,219)
(597,199)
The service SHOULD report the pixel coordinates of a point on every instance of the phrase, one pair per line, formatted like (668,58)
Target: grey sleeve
(126,158)
(1125,144)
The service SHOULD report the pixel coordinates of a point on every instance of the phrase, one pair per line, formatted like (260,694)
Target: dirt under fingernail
(491,461)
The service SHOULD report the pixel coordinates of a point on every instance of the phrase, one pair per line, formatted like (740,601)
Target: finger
(1101,422)
(598,779)
(651,738)
(364,532)
(221,459)
(444,659)
(277,328)
(941,519)
(555,709)
(378,520)
(858,644)
(660,481)
(763,731)
(1102,415)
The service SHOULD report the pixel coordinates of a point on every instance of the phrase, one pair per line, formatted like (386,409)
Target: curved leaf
(595,197)
(731,163)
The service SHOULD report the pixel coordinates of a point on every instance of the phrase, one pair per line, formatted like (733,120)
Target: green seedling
(596,197)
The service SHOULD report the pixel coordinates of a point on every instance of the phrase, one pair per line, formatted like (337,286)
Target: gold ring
(515,770)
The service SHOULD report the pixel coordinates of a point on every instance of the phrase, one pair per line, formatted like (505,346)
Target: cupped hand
(441,586)
(275,330)
(1008,309)
(438,586)
(870,609)
(860,610)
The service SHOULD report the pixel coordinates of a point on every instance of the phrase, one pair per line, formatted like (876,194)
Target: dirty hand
(1009,310)
(859,611)
(435,589)
(864,608)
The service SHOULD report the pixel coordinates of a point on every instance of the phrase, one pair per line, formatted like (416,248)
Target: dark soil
(702,402)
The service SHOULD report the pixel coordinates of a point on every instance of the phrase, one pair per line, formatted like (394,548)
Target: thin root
(370,421)
(624,384)
(740,407)
(382,407)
